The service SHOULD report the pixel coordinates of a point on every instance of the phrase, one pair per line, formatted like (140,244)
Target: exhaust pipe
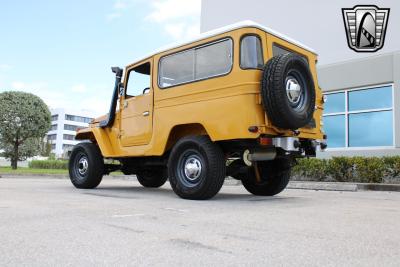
(259,155)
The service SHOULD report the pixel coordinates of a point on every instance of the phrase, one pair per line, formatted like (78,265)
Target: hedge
(349,169)
(48,164)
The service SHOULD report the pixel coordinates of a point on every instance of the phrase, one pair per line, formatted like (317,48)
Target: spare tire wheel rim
(295,89)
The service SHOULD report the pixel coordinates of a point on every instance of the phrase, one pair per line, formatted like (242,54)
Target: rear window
(195,64)
(251,56)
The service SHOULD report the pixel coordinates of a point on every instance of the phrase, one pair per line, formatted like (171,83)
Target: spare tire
(287,90)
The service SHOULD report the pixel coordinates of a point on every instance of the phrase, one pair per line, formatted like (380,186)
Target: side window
(278,50)
(213,60)
(196,64)
(176,69)
(138,80)
(251,56)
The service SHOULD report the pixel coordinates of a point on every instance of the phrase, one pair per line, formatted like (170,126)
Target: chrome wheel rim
(83,165)
(192,168)
(293,90)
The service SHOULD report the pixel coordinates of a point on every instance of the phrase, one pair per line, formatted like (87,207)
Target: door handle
(146,113)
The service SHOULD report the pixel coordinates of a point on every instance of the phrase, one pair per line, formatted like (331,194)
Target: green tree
(24,120)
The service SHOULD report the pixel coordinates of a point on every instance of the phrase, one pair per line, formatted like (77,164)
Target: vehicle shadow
(138,192)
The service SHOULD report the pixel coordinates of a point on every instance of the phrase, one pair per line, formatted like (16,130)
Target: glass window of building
(51,137)
(68,137)
(67,146)
(69,127)
(77,118)
(359,118)
(336,103)
(335,128)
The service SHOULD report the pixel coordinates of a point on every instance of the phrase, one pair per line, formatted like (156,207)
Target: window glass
(335,129)
(70,127)
(371,129)
(53,127)
(370,98)
(67,146)
(196,64)
(68,137)
(51,137)
(77,118)
(335,103)
(213,60)
(176,69)
(251,56)
(138,80)
(278,50)
(54,117)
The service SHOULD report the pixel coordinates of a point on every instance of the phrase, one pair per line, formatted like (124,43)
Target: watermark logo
(365,27)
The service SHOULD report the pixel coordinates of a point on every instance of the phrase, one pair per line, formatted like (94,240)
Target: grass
(25,170)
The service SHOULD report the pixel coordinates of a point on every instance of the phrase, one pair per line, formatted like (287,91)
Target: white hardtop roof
(231,27)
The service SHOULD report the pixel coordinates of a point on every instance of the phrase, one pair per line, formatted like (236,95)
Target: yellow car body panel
(222,107)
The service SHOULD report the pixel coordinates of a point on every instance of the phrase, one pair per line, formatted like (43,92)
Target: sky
(62,50)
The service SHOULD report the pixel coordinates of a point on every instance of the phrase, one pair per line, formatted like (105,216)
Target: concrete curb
(304,185)
(351,187)
(327,186)
(379,187)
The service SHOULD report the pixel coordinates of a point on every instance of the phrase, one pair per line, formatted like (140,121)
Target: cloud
(120,4)
(79,88)
(168,10)
(181,30)
(113,16)
(118,9)
(28,86)
(5,67)
(179,18)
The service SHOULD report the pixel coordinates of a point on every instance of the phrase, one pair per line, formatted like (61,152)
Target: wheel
(196,168)
(288,93)
(86,166)
(152,178)
(274,177)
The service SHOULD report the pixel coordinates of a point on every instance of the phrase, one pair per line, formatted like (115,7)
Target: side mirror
(146,90)
(121,89)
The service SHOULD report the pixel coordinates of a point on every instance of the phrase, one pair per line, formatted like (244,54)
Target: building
(362,112)
(64,123)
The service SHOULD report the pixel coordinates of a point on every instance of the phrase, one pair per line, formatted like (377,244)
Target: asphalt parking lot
(47,222)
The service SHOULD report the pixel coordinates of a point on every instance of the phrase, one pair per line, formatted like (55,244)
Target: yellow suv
(241,101)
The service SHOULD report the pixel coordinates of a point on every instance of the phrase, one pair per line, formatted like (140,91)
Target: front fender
(98,136)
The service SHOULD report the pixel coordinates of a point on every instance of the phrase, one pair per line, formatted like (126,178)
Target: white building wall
(61,121)
(318,24)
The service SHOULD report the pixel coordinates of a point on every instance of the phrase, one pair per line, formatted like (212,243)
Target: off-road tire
(195,184)
(92,176)
(274,177)
(279,109)
(152,178)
